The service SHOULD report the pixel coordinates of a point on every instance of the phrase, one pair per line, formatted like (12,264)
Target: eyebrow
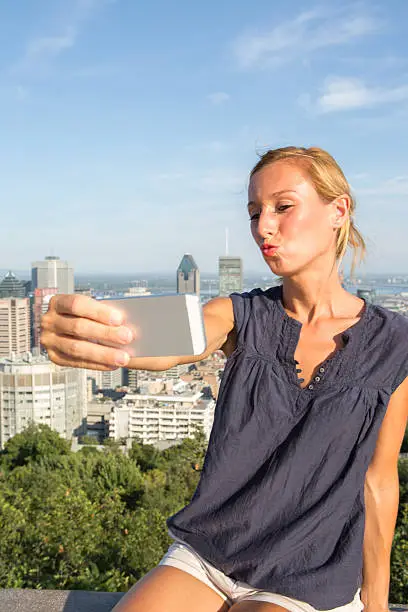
(276,194)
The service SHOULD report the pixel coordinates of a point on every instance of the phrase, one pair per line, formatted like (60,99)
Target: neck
(311,296)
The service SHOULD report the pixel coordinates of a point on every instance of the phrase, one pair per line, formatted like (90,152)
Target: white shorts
(184,557)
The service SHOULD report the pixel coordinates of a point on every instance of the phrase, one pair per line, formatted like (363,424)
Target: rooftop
(10,286)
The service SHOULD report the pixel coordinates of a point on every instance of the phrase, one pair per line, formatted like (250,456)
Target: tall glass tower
(230,274)
(10,286)
(188,276)
(52,272)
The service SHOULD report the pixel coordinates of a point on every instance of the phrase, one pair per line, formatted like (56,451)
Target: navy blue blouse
(280,502)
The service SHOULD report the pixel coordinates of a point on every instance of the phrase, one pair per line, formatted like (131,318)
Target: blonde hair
(330,183)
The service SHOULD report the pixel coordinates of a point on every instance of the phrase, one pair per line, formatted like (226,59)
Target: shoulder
(254,301)
(252,309)
(256,295)
(387,342)
(394,323)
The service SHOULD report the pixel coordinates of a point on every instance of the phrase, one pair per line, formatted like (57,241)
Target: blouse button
(317,378)
(321,370)
(311,387)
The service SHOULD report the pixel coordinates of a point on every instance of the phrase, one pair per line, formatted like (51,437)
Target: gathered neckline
(291,320)
(347,352)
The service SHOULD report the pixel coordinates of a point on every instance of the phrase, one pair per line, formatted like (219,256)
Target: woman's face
(287,212)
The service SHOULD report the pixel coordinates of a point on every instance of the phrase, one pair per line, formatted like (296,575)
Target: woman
(298,496)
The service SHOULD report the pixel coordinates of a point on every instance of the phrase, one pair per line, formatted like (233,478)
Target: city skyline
(136,276)
(129,139)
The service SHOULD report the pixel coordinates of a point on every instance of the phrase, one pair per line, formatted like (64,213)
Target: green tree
(36,443)
(404,447)
(147,456)
(97,520)
(399,559)
(93,440)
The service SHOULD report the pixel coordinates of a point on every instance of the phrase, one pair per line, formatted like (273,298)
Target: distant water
(386,289)
(207,293)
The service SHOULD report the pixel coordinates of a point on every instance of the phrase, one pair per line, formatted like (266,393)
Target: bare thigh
(169,589)
(256,606)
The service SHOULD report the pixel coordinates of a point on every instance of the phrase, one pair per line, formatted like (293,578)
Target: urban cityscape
(123,405)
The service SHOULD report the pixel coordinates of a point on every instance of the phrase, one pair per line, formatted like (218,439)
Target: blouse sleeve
(402,372)
(244,311)
(240,305)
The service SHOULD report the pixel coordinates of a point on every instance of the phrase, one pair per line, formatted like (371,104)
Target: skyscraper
(109,379)
(53,272)
(14,326)
(230,274)
(188,276)
(10,286)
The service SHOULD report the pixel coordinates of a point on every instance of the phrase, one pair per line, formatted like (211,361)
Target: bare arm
(381,494)
(78,331)
(218,321)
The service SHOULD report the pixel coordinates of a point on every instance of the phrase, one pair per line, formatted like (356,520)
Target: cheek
(296,226)
(307,231)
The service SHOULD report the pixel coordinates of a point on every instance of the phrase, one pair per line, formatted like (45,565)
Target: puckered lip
(266,246)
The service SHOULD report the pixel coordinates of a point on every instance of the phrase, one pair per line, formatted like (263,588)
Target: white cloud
(48,46)
(308,32)
(348,93)
(41,51)
(222,181)
(218,97)
(360,176)
(22,93)
(395,186)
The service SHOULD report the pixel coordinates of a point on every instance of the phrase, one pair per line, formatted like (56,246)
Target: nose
(267,223)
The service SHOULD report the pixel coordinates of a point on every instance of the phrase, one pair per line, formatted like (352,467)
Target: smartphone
(166,325)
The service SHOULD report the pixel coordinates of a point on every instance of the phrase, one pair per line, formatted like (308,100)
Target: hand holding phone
(80,332)
(163,325)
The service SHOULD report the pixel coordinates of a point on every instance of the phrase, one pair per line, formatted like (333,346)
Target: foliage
(399,555)
(404,447)
(399,559)
(96,519)
(93,440)
(93,520)
(37,443)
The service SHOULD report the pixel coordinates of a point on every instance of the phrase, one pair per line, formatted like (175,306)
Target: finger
(84,351)
(62,360)
(86,307)
(91,330)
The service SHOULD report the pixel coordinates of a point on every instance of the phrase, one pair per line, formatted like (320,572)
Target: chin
(279,268)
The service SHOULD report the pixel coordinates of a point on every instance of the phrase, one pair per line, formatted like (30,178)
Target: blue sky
(128,128)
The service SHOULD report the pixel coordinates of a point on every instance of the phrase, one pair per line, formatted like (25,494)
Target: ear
(341,210)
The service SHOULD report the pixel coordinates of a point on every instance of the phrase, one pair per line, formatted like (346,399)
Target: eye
(254,216)
(283,207)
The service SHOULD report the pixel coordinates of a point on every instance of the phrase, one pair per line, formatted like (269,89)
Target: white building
(176,371)
(33,389)
(109,379)
(153,418)
(14,326)
(137,289)
(52,272)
